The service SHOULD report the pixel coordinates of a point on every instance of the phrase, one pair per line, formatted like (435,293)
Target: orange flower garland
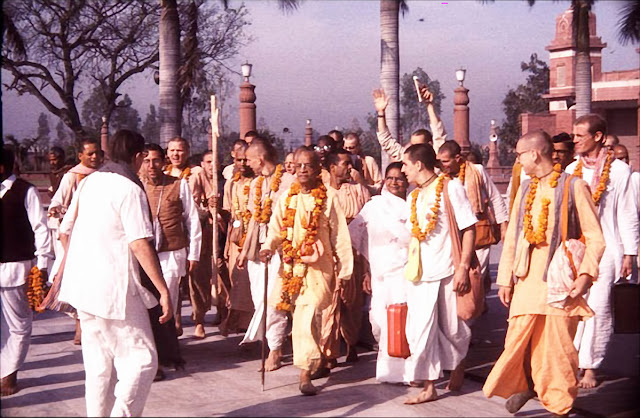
(243,216)
(184,174)
(540,235)
(35,290)
(604,177)
(294,269)
(416,231)
(463,166)
(263,213)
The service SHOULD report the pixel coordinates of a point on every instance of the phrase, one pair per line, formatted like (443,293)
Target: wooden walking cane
(264,318)
(213,146)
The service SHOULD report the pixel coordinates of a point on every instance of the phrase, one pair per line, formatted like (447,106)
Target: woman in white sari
(379,233)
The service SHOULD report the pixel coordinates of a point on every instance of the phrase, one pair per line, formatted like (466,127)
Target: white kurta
(379,233)
(619,221)
(16,315)
(437,338)
(101,280)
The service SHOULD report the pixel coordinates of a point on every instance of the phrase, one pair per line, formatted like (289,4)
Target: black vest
(18,243)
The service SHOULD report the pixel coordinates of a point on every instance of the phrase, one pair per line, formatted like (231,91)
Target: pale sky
(323,60)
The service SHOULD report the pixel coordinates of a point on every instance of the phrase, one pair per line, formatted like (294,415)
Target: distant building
(615,94)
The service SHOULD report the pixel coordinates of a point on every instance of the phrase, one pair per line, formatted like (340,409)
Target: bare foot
(273,362)
(352,354)
(518,400)
(9,384)
(428,394)
(457,378)
(589,380)
(199,331)
(306,387)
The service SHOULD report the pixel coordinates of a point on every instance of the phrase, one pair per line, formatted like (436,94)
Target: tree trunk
(390,66)
(583,58)
(170,110)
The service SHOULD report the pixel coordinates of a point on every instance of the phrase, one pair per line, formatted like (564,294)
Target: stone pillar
(493,165)
(308,131)
(461,118)
(104,137)
(247,107)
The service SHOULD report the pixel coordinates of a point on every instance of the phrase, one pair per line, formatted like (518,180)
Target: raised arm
(387,142)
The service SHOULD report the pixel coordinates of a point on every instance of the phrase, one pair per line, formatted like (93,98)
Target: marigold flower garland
(463,166)
(263,213)
(35,290)
(294,269)
(604,177)
(242,215)
(416,231)
(540,235)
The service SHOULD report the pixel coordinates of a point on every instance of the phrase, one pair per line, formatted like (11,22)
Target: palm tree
(170,107)
(390,63)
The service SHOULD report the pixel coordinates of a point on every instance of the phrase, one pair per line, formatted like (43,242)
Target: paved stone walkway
(222,379)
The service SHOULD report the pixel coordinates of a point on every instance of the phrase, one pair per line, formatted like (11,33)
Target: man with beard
(58,168)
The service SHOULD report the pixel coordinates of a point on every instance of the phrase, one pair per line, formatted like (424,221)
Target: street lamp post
(104,137)
(308,132)
(461,113)
(247,102)
(493,165)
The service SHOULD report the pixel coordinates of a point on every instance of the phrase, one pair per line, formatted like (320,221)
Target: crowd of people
(306,246)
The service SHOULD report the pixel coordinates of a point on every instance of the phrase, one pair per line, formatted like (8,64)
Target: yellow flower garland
(416,231)
(35,290)
(294,269)
(263,213)
(604,177)
(243,216)
(540,235)
(463,166)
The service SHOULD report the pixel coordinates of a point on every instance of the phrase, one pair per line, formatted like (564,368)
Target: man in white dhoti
(380,235)
(437,338)
(614,199)
(25,239)
(270,182)
(102,281)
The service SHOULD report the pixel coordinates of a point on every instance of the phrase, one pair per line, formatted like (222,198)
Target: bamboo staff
(213,146)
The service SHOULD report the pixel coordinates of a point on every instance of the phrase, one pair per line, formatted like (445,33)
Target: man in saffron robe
(539,356)
(270,182)
(610,184)
(236,203)
(344,316)
(329,260)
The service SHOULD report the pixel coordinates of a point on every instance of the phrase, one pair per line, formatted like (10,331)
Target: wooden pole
(213,146)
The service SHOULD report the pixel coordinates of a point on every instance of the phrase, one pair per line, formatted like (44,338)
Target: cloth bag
(470,304)
(487,230)
(563,268)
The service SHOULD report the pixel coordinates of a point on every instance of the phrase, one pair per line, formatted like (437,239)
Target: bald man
(270,182)
(540,336)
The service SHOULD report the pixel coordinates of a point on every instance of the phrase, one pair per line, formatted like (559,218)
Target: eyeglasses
(303,166)
(319,148)
(518,154)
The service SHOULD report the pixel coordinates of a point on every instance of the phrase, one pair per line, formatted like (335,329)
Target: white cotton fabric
(379,233)
(106,214)
(435,251)
(276,319)
(619,220)
(16,328)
